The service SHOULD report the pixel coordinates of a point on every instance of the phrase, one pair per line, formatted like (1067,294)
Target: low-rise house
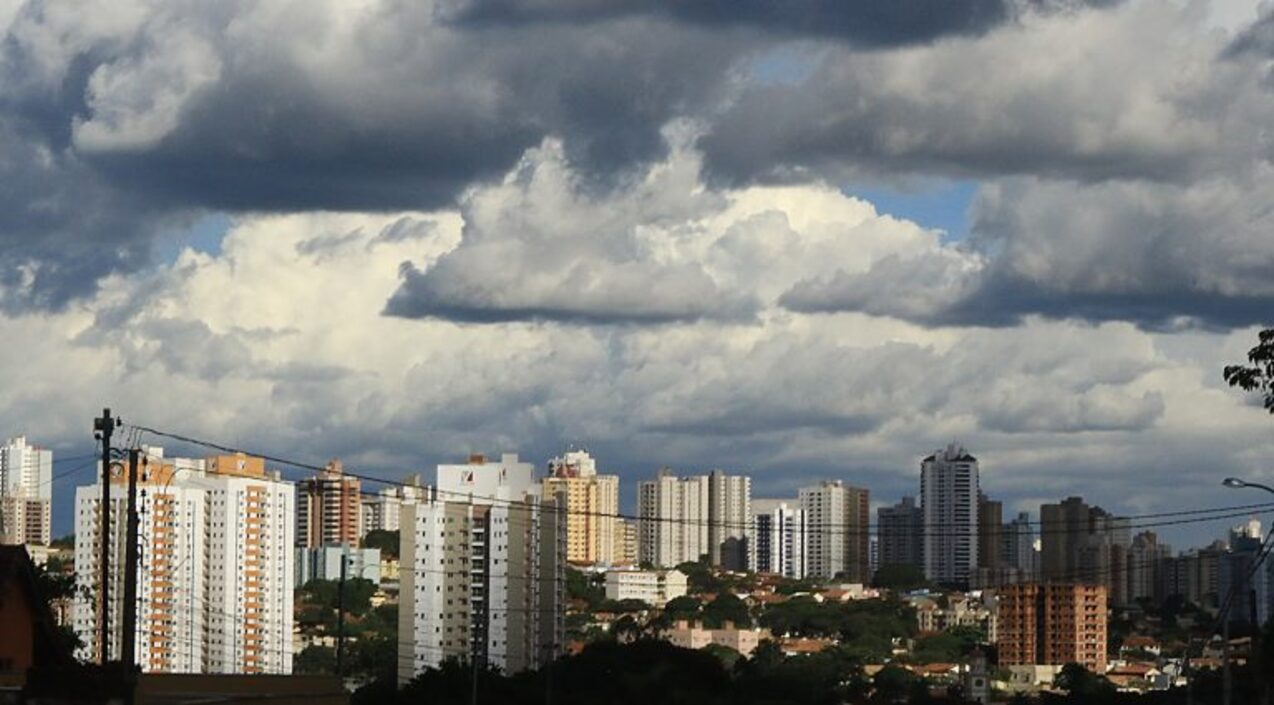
(694,636)
(797,646)
(654,587)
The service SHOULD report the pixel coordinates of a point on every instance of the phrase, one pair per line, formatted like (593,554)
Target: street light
(1236,483)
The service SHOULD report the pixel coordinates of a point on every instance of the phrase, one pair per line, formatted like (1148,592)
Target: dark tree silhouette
(1258,376)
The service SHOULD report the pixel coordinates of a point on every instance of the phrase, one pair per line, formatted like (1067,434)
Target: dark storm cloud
(864,23)
(61,227)
(109,126)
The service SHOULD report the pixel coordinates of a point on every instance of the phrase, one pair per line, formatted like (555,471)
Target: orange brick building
(1053,623)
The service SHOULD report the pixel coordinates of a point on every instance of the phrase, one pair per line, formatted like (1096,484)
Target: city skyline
(74,470)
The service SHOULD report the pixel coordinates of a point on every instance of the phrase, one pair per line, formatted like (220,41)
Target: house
(31,636)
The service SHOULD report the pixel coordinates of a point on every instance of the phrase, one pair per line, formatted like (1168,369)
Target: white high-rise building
(778,538)
(949,502)
(26,491)
(483,570)
(214,581)
(729,520)
(673,517)
(381,512)
(837,518)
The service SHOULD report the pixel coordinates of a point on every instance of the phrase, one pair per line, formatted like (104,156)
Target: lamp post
(1236,484)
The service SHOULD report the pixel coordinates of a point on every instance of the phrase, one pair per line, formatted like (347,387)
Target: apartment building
(730,518)
(949,502)
(673,517)
(329,509)
(26,491)
(381,511)
(483,570)
(778,538)
(654,587)
(901,529)
(214,582)
(592,507)
(837,541)
(1052,624)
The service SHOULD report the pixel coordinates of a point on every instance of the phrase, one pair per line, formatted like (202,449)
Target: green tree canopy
(386,541)
(1258,374)
(899,576)
(727,607)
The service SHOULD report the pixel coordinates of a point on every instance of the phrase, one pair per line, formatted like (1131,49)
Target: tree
(727,608)
(386,541)
(582,586)
(899,576)
(1258,376)
(315,660)
(1083,685)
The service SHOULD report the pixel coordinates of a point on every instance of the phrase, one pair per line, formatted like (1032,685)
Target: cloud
(662,248)
(906,21)
(1035,97)
(1160,255)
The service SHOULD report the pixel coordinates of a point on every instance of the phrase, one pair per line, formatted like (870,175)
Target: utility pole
(1227,679)
(128,637)
(340,623)
(104,427)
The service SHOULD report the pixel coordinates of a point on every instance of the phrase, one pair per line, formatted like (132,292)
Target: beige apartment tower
(592,507)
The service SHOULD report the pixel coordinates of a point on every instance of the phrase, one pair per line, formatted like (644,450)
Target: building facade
(26,492)
(329,509)
(990,533)
(729,520)
(1052,624)
(901,531)
(654,587)
(778,538)
(837,519)
(324,563)
(673,518)
(483,569)
(949,501)
(381,512)
(1019,546)
(214,582)
(592,507)
(1085,543)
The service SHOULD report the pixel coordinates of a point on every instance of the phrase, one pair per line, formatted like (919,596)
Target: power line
(1119,525)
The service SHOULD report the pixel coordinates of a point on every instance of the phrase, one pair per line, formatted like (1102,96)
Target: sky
(804,244)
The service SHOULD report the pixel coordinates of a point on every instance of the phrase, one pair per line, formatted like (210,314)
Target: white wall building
(483,569)
(778,538)
(949,502)
(654,587)
(215,575)
(381,512)
(673,517)
(26,491)
(837,519)
(729,520)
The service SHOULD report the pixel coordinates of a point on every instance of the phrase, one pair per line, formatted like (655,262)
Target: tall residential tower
(26,490)
(214,583)
(949,501)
